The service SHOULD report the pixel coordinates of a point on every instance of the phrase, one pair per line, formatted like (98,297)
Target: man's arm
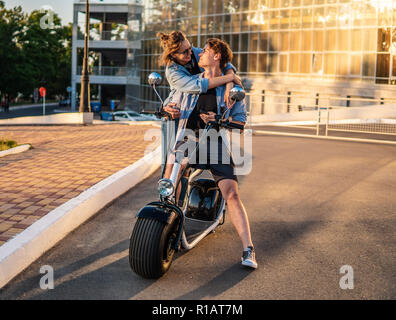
(238,113)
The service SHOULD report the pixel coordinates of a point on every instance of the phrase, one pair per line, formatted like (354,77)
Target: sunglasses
(185,52)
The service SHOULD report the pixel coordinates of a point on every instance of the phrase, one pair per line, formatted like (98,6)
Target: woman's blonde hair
(170,43)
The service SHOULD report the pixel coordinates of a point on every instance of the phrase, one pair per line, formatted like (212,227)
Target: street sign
(43,92)
(69,89)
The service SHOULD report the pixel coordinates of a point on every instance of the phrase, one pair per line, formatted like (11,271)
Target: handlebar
(226,123)
(219,122)
(158,114)
(232,125)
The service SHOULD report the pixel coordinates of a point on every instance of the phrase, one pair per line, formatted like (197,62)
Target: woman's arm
(231,77)
(184,82)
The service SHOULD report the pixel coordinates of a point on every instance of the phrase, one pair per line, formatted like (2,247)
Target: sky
(64,8)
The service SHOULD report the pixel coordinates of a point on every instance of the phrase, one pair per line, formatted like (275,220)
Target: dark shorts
(222,171)
(219,170)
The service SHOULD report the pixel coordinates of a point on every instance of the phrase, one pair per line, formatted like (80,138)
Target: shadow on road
(272,239)
(215,287)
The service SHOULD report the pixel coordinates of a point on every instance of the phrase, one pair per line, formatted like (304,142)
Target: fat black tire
(151,247)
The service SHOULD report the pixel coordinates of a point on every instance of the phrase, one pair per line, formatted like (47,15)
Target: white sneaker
(249,258)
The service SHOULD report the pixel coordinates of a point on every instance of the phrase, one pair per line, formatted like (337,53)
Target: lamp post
(84,95)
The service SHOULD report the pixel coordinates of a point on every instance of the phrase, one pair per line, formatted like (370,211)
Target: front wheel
(151,247)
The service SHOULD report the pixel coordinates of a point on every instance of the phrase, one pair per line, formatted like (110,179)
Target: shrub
(7,144)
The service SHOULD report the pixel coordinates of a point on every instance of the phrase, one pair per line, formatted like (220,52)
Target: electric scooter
(164,226)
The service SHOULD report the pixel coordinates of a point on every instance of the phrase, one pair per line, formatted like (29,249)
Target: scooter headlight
(165,187)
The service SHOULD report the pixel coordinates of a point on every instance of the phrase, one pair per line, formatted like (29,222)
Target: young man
(195,113)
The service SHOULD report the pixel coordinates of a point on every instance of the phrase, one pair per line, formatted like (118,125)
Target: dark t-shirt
(207,102)
(192,66)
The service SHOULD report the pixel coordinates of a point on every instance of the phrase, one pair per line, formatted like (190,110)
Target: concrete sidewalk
(64,162)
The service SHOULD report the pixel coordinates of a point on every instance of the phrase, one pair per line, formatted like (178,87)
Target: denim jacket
(180,79)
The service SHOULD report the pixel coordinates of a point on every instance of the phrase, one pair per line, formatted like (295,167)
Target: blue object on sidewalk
(107,116)
(114,104)
(96,106)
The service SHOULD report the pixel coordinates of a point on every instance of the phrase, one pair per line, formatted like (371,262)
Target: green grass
(7,144)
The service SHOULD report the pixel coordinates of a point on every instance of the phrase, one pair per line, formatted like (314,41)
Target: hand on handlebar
(209,116)
(174,112)
(212,117)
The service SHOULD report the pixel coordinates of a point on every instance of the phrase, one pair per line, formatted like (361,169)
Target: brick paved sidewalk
(65,161)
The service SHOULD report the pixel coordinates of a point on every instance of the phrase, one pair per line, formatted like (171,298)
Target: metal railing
(96,35)
(382,126)
(105,71)
(307,101)
(323,113)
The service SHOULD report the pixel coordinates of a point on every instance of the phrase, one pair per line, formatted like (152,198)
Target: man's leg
(236,210)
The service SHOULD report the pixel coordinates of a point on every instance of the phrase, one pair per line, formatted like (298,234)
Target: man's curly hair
(219,46)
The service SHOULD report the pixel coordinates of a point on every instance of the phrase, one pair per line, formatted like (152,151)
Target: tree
(47,54)
(12,76)
(33,56)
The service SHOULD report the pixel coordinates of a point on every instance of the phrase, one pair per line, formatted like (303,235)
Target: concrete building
(108,48)
(294,54)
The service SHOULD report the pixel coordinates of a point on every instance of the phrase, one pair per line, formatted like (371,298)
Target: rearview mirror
(154,79)
(237,93)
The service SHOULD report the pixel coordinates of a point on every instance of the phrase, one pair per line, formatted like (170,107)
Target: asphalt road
(28,111)
(314,206)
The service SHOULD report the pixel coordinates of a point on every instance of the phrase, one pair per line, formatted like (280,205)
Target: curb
(18,149)
(129,123)
(51,119)
(300,135)
(26,247)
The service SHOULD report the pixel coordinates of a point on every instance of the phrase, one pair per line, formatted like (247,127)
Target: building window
(253,62)
(242,67)
(283,62)
(382,67)
(368,65)
(356,61)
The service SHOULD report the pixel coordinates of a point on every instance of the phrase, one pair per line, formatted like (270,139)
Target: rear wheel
(151,247)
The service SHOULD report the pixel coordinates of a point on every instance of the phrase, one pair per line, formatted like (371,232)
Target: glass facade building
(346,47)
